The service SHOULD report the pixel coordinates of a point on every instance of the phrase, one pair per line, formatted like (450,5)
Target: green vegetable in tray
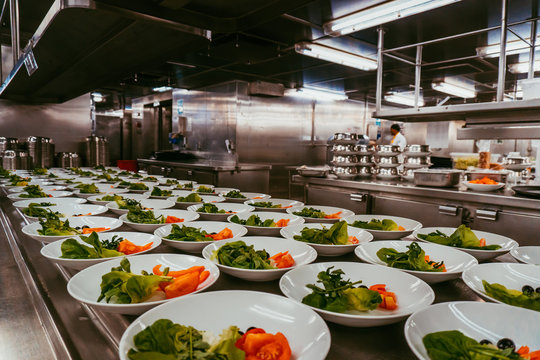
(88,189)
(187,233)
(266,204)
(336,235)
(4,173)
(40,171)
(110,198)
(527,298)
(150,178)
(72,249)
(99,167)
(171,182)
(107,177)
(310,212)
(463,237)
(52,176)
(140,216)
(158,192)
(37,210)
(53,226)
(211,209)
(194,198)
(205,189)
(254,220)
(137,186)
(124,173)
(235,195)
(33,191)
(240,255)
(187,186)
(374,224)
(124,184)
(136,176)
(128,204)
(412,259)
(339,295)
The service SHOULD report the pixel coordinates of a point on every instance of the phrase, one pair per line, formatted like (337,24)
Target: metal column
(532,59)
(417,75)
(502,53)
(14,22)
(380,45)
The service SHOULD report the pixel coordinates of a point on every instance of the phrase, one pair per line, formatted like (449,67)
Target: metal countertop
(207,165)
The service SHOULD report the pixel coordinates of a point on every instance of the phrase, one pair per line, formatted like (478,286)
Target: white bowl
(84,286)
(208,226)
(91,221)
(196,187)
(220,190)
(151,204)
(244,309)
(18,189)
(55,201)
(267,231)
(118,191)
(328,250)
(302,254)
(483,187)
(527,254)
(455,261)
(409,225)
(229,207)
(52,194)
(477,320)
(182,214)
(69,210)
(412,293)
(248,196)
(53,251)
(94,199)
(513,276)
(206,199)
(149,193)
(506,243)
(285,204)
(326,209)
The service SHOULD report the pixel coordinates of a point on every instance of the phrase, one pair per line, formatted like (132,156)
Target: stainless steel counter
(66,329)
(208,165)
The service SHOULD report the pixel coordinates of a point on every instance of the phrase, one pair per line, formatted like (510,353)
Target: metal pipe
(401,59)
(502,52)
(380,46)
(530,74)
(417,75)
(3,11)
(519,37)
(14,22)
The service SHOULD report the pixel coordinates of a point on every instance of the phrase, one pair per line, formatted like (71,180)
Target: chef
(398,138)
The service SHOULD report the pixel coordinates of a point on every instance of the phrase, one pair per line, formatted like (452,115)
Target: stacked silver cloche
(387,160)
(415,157)
(344,158)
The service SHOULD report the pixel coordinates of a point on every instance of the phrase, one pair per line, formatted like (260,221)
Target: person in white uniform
(398,138)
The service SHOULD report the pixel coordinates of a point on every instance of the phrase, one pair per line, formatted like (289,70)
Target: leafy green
(136,176)
(226,344)
(33,191)
(336,235)
(453,345)
(171,182)
(52,176)
(339,295)
(266,204)
(412,259)
(150,178)
(512,297)
(88,189)
(124,173)
(254,220)
(211,209)
(37,210)
(72,249)
(240,255)
(139,216)
(310,212)
(205,189)
(463,237)
(39,171)
(137,186)
(53,226)
(374,224)
(188,186)
(124,184)
(193,197)
(128,204)
(110,198)
(234,195)
(4,173)
(187,233)
(158,192)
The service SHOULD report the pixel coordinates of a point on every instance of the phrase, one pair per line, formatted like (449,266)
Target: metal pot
(16,160)
(345,138)
(388,149)
(364,149)
(387,161)
(365,160)
(437,178)
(408,174)
(340,149)
(365,171)
(417,162)
(386,173)
(417,150)
(345,172)
(7,143)
(344,160)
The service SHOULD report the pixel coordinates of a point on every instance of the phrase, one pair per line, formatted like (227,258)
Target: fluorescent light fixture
(513,47)
(336,56)
(162,88)
(318,94)
(381,14)
(455,88)
(523,67)
(403,98)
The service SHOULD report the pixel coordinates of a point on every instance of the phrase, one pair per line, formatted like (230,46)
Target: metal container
(75,160)
(495,175)
(313,171)
(344,160)
(96,151)
(417,150)
(340,149)
(416,162)
(364,171)
(16,160)
(365,160)
(41,149)
(387,173)
(7,143)
(387,161)
(345,138)
(388,150)
(437,178)
(364,149)
(407,174)
(345,172)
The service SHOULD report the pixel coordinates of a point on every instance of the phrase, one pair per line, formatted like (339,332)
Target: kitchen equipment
(436,178)
(365,160)
(417,150)
(315,171)
(7,143)
(387,161)
(407,174)
(16,160)
(364,171)
(388,150)
(389,173)
(96,150)
(345,138)
(364,149)
(344,160)
(345,172)
(416,162)
(339,149)
(41,149)
(528,191)
(495,175)
(68,160)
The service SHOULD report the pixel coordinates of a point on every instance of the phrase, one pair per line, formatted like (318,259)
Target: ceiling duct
(262,88)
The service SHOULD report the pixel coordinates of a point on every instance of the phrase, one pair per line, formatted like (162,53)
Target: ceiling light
(523,67)
(162,88)
(513,47)
(335,55)
(459,90)
(403,98)
(381,14)
(312,93)
(97,97)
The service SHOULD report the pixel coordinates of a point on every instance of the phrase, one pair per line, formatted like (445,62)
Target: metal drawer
(523,228)
(357,202)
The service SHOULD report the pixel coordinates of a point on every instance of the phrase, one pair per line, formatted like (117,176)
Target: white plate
(285,204)
(205,198)
(69,210)
(248,196)
(244,309)
(163,181)
(208,226)
(84,286)
(94,199)
(409,225)
(152,204)
(53,251)
(328,250)
(231,208)
(55,201)
(18,189)
(455,261)
(326,209)
(181,214)
(513,276)
(412,293)
(477,320)
(506,243)
(483,187)
(117,191)
(527,254)
(302,254)
(91,221)
(149,193)
(267,231)
(52,194)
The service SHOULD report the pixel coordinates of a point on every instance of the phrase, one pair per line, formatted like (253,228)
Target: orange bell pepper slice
(172,219)
(282,260)
(128,248)
(333,216)
(353,240)
(182,285)
(222,235)
(261,346)
(282,222)
(90,230)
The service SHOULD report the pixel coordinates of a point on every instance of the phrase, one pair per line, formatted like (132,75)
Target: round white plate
(328,250)
(284,203)
(118,191)
(527,254)
(455,261)
(409,225)
(229,207)
(52,194)
(69,210)
(302,254)
(326,209)
(477,320)
(151,204)
(55,201)
(248,196)
(95,199)
(91,221)
(267,231)
(181,214)
(483,187)
(412,293)
(208,226)
(244,309)
(84,286)
(205,198)
(506,243)
(53,251)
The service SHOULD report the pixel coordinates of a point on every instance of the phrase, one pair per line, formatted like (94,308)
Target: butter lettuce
(336,235)
(512,297)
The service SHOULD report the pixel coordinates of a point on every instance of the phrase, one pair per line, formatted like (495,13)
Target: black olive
(363,286)
(505,344)
(86,227)
(250,328)
(485,342)
(527,290)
